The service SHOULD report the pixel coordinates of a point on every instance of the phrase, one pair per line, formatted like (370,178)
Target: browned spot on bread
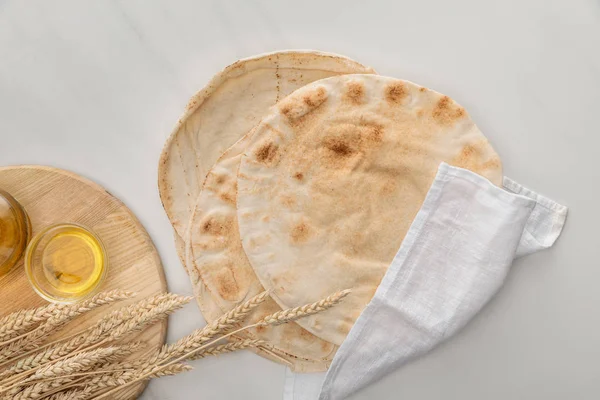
(395,92)
(422,89)
(345,145)
(300,233)
(226,283)
(220,179)
(375,132)
(296,109)
(471,158)
(266,152)
(315,97)
(467,152)
(228,197)
(420,113)
(339,146)
(493,164)
(446,111)
(304,334)
(288,201)
(299,176)
(286,109)
(216,226)
(355,92)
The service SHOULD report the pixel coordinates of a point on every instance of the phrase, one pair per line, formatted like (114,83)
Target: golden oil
(66,262)
(15,230)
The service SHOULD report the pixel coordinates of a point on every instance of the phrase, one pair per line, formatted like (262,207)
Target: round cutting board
(51,195)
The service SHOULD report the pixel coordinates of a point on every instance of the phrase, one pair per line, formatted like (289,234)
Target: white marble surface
(96,86)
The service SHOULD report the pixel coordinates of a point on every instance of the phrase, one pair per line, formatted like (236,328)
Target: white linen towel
(453,260)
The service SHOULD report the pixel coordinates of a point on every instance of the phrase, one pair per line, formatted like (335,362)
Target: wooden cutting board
(51,195)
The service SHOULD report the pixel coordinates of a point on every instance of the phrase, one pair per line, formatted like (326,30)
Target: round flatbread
(225,110)
(221,272)
(332,179)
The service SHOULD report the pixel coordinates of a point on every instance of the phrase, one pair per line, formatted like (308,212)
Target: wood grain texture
(51,196)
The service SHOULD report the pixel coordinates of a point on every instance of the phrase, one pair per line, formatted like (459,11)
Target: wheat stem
(273,319)
(227,348)
(58,318)
(79,362)
(292,314)
(109,329)
(17,322)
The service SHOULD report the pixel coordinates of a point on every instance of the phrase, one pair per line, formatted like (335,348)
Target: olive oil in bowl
(65,263)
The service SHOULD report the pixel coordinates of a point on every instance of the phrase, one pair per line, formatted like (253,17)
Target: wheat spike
(44,356)
(119,378)
(59,317)
(203,335)
(77,363)
(37,390)
(292,314)
(190,345)
(110,328)
(14,349)
(147,311)
(227,348)
(21,321)
(112,380)
(76,394)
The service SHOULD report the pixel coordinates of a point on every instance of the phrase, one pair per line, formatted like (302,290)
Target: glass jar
(15,231)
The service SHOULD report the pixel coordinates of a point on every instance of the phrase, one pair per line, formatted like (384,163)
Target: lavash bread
(332,179)
(223,278)
(225,110)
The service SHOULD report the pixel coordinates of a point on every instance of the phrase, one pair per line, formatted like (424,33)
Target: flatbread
(219,269)
(225,110)
(333,178)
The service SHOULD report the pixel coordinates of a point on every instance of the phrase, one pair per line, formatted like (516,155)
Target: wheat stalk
(85,388)
(60,369)
(44,356)
(37,390)
(273,319)
(13,324)
(77,394)
(107,381)
(59,317)
(139,315)
(77,363)
(69,368)
(33,339)
(21,321)
(223,324)
(198,337)
(110,328)
(292,314)
(116,379)
(227,348)
(60,351)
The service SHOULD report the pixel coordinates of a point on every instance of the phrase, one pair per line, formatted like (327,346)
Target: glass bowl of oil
(15,231)
(66,263)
